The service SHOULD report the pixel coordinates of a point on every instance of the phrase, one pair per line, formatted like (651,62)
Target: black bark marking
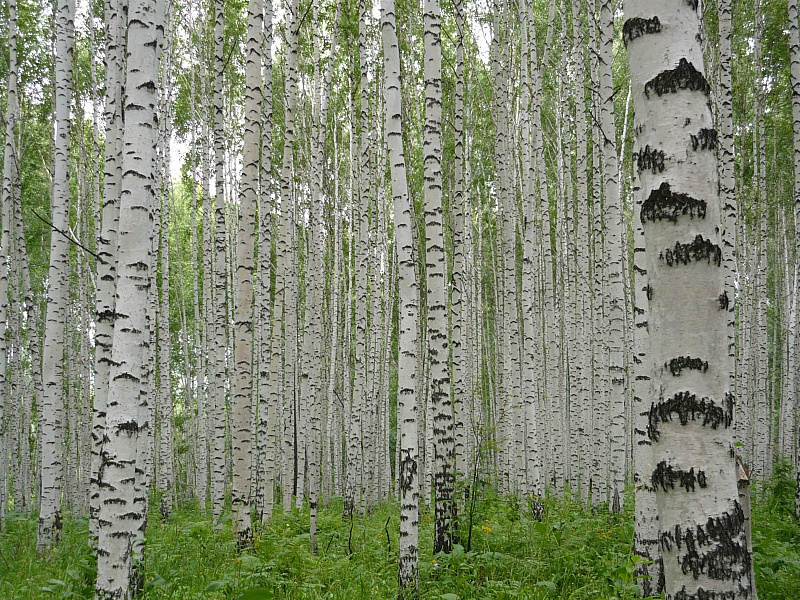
(665,477)
(649,158)
(687,406)
(699,249)
(408,470)
(724,301)
(682,77)
(676,365)
(648,291)
(704,595)
(637,27)
(130,427)
(706,139)
(663,203)
(716,549)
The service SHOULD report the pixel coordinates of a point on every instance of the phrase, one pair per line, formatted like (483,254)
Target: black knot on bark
(699,249)
(637,27)
(663,203)
(682,77)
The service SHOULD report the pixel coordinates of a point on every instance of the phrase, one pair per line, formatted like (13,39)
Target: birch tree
(442,415)
(794,47)
(265,486)
(702,525)
(220,283)
(241,393)
(121,514)
(52,416)
(614,248)
(6,200)
(407,405)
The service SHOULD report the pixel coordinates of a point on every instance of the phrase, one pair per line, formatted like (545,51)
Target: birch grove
(257,257)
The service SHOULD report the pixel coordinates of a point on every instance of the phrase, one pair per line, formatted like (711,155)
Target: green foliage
(776,537)
(573,553)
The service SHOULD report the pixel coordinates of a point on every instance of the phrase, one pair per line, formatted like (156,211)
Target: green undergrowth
(573,553)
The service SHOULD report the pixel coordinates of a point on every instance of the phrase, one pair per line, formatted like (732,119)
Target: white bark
(242,390)
(794,45)
(702,525)
(10,175)
(267,412)
(120,516)
(727,182)
(220,284)
(51,427)
(442,423)
(284,310)
(407,405)
(615,294)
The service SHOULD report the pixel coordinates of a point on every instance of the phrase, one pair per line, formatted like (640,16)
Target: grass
(572,554)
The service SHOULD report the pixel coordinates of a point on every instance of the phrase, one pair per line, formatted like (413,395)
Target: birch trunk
(242,392)
(794,45)
(442,424)
(52,424)
(646,533)
(120,517)
(407,405)
(615,294)
(166,454)
(727,182)
(702,525)
(457,290)
(220,283)
(284,309)
(267,412)
(10,176)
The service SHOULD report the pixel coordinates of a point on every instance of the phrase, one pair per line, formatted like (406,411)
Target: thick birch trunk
(702,525)
(120,517)
(241,393)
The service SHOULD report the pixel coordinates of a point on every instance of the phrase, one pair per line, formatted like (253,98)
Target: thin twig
(388,539)
(330,541)
(70,238)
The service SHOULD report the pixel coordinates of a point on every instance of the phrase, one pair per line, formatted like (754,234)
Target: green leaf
(156,581)
(540,528)
(258,594)
(450,597)
(548,585)
(215,586)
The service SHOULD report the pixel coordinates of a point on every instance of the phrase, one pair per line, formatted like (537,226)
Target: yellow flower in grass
(486,528)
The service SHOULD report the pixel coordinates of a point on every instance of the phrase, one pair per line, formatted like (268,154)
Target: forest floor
(573,553)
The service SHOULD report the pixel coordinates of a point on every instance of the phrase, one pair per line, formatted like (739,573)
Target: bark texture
(689,422)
